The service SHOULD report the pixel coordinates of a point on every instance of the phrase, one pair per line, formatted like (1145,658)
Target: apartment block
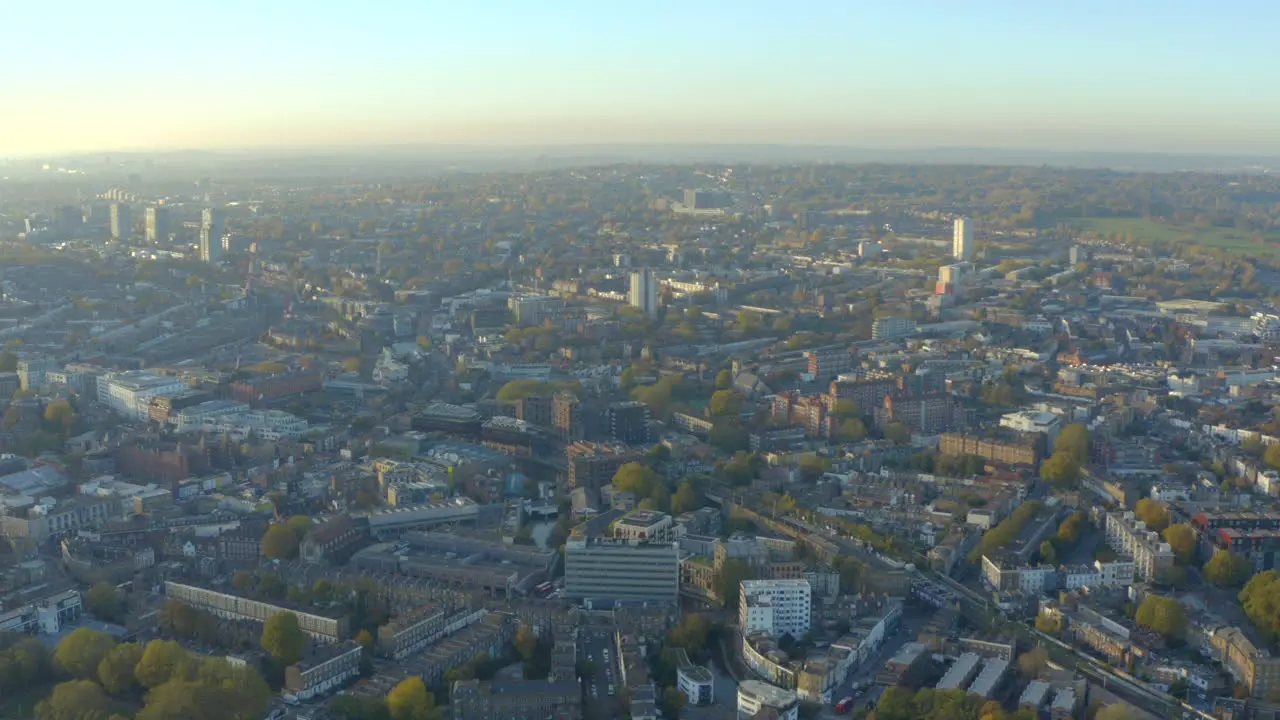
(776,607)
(1128,535)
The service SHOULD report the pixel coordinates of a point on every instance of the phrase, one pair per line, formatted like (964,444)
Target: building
(696,683)
(890,327)
(1016,449)
(644,292)
(516,699)
(164,408)
(628,422)
(994,672)
(603,571)
(227,605)
(328,668)
(961,673)
(157,224)
(330,541)
(645,526)
(593,465)
(755,696)
(1024,421)
(43,521)
(121,221)
(825,364)
(407,634)
(776,607)
(211,230)
(48,615)
(534,310)
(201,413)
(32,372)
(274,387)
(962,239)
(1128,535)
(1252,666)
(129,393)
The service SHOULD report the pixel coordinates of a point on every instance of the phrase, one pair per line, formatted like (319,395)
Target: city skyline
(1174,77)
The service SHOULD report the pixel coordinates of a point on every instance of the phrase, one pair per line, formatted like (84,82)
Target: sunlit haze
(1158,76)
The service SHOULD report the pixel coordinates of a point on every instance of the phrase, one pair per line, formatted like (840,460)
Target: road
(597,643)
(914,618)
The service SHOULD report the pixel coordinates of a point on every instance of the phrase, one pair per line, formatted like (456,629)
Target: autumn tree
(1182,539)
(526,641)
(283,639)
(686,499)
(162,661)
(1163,615)
(1032,662)
(280,542)
(1154,513)
(80,652)
(115,671)
(1073,441)
(75,700)
(1228,569)
(409,700)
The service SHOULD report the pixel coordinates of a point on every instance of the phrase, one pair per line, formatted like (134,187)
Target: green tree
(75,700)
(103,601)
(726,403)
(162,661)
(283,639)
(244,582)
(851,430)
(115,671)
(635,477)
(724,379)
(410,700)
(80,652)
(729,436)
(898,433)
(690,633)
(1073,440)
(1182,538)
(727,581)
(686,499)
(1228,569)
(280,542)
(845,409)
(298,525)
(179,618)
(1048,555)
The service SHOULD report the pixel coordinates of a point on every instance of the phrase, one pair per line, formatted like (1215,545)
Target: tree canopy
(80,652)
(283,639)
(1163,615)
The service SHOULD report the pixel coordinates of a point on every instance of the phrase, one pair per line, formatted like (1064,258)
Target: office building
(534,310)
(962,239)
(776,607)
(211,230)
(644,292)
(157,221)
(130,393)
(32,372)
(696,683)
(121,221)
(603,571)
(755,696)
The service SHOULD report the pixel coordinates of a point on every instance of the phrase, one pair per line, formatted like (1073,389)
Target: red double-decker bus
(844,705)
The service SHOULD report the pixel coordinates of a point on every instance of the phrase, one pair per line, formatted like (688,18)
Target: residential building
(516,699)
(211,230)
(1255,667)
(1128,535)
(628,422)
(827,364)
(776,607)
(203,413)
(593,465)
(1013,449)
(890,327)
(157,224)
(121,221)
(534,310)
(644,292)
(330,541)
(755,696)
(962,239)
(407,634)
(32,371)
(327,669)
(602,571)
(324,628)
(55,519)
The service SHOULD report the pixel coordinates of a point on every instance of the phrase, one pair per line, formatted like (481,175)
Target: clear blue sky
(1119,75)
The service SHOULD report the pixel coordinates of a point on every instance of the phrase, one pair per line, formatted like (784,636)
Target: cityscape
(663,361)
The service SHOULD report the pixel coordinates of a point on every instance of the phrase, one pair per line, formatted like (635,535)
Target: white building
(200,414)
(1036,579)
(644,292)
(211,229)
(753,696)
(129,393)
(892,327)
(962,239)
(776,607)
(262,424)
(1033,422)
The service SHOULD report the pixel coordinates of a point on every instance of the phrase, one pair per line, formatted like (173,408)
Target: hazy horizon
(1174,77)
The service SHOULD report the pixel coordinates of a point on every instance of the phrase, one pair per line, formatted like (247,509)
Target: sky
(1120,75)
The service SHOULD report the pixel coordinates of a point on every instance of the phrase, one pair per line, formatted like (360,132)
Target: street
(601,656)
